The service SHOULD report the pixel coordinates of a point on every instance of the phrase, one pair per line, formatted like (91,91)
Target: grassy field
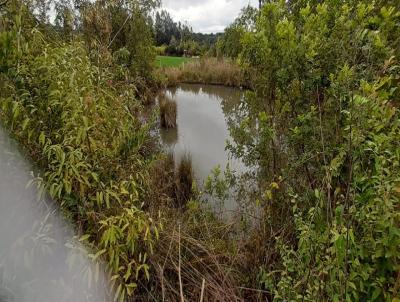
(166,61)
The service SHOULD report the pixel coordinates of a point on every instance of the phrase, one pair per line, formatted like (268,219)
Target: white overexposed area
(206,16)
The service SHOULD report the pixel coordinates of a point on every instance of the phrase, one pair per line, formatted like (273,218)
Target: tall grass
(184,180)
(172,182)
(196,252)
(188,258)
(168,112)
(206,71)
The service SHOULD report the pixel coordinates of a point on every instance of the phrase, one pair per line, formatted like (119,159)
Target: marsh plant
(206,71)
(184,180)
(168,112)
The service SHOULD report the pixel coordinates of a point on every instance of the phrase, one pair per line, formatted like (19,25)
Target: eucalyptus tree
(165,28)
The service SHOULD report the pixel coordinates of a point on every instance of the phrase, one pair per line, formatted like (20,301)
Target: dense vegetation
(325,100)
(319,126)
(62,102)
(177,39)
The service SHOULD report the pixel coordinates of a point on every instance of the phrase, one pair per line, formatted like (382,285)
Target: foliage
(319,129)
(165,28)
(229,44)
(179,38)
(62,110)
(322,125)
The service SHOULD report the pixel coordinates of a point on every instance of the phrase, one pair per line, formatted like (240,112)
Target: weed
(168,112)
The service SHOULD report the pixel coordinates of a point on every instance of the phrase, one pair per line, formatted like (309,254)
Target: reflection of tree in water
(251,141)
(172,91)
(220,93)
(236,108)
(169,136)
(193,88)
(260,148)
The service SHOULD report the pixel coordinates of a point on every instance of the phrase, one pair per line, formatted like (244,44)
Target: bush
(79,131)
(160,50)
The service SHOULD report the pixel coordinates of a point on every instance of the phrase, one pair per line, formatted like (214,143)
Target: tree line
(176,38)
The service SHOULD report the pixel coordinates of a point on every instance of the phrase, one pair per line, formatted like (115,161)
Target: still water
(202,129)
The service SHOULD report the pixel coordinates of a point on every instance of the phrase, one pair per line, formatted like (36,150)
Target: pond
(202,129)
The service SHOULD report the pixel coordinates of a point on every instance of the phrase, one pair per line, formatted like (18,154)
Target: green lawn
(166,61)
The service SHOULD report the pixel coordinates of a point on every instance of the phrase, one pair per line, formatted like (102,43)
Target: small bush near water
(168,112)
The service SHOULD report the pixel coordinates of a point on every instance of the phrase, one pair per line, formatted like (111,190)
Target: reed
(184,181)
(206,71)
(168,112)
(172,182)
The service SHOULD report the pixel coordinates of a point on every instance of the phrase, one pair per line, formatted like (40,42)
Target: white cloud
(206,15)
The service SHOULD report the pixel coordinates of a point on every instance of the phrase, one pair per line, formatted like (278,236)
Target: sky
(206,16)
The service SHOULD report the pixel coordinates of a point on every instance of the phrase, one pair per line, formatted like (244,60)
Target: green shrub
(322,127)
(80,132)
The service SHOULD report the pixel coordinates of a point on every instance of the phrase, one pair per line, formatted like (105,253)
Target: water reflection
(170,137)
(202,127)
(39,258)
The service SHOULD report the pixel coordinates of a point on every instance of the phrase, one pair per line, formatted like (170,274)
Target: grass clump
(206,71)
(184,180)
(168,112)
(172,181)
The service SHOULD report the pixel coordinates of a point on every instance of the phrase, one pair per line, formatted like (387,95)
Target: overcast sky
(206,16)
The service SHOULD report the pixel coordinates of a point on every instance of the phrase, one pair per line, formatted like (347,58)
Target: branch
(119,30)
(3,3)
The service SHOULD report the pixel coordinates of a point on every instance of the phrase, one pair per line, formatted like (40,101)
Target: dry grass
(197,254)
(206,71)
(194,258)
(184,181)
(168,112)
(172,185)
